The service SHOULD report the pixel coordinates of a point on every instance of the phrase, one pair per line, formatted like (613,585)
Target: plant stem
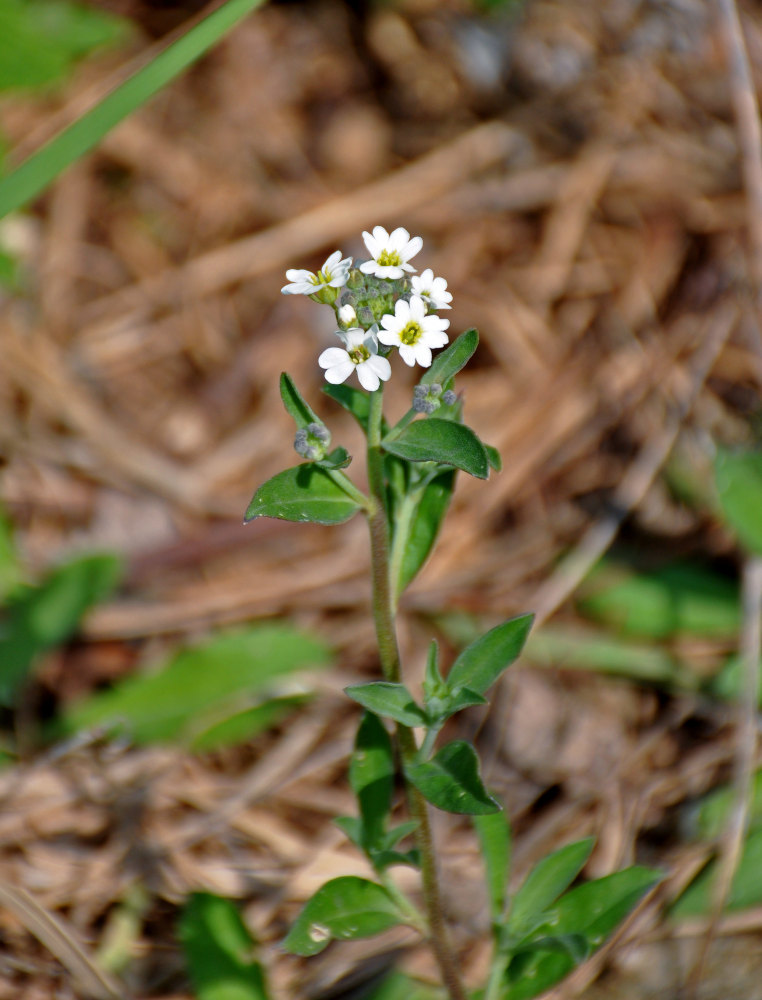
(384,617)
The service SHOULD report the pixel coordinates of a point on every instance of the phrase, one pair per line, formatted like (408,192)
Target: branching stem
(384,604)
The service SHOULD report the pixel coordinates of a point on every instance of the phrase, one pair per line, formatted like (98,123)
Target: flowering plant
(544,931)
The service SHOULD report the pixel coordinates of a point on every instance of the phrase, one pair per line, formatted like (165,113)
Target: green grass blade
(34,175)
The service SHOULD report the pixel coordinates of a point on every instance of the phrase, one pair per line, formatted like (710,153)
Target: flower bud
(347,316)
(426,398)
(449,398)
(312,441)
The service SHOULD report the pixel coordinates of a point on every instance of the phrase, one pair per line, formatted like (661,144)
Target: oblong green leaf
(371,776)
(218,949)
(40,617)
(339,458)
(295,403)
(745,889)
(493,457)
(451,360)
(201,686)
(739,484)
(494,835)
(595,908)
(451,781)
(344,908)
(34,175)
(442,441)
(545,883)
(393,701)
(481,663)
(302,493)
(423,526)
(353,400)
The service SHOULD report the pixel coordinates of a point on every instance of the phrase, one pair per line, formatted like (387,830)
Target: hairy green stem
(384,617)
(346,484)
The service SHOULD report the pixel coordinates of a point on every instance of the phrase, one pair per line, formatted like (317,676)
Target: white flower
(347,315)
(333,274)
(391,253)
(413,331)
(360,354)
(432,290)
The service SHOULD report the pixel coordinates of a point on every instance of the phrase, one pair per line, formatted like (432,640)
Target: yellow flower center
(411,334)
(359,354)
(322,277)
(389,258)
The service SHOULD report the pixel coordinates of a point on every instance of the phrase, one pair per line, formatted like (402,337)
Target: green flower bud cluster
(428,398)
(312,441)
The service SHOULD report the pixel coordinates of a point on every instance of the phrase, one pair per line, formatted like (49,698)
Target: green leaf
(303,493)
(339,458)
(353,400)
(371,776)
(450,361)
(739,483)
(40,40)
(572,929)
(494,835)
(745,889)
(433,683)
(10,566)
(680,599)
(243,726)
(545,883)
(201,686)
(481,663)
(393,701)
(710,818)
(434,440)
(398,986)
(422,526)
(493,457)
(218,951)
(295,403)
(597,907)
(451,781)
(38,618)
(36,173)
(344,908)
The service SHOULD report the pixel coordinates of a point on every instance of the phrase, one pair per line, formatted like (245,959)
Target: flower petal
(380,366)
(331,262)
(333,356)
(368,378)
(422,354)
(388,337)
(339,373)
(413,247)
(407,353)
(398,239)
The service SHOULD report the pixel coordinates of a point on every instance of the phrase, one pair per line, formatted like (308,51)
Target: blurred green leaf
(421,525)
(393,701)
(451,781)
(711,815)
(10,566)
(728,683)
(38,618)
(481,663)
(339,458)
(739,484)
(745,889)
(545,883)
(243,726)
(219,951)
(201,686)
(678,599)
(344,908)
(450,361)
(36,173)
(494,835)
(398,986)
(302,493)
(443,441)
(371,776)
(575,648)
(493,457)
(40,40)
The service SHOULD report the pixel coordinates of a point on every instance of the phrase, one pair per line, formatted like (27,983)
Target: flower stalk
(384,603)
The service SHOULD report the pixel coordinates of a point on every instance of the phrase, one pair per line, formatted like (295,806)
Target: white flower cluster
(379,303)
